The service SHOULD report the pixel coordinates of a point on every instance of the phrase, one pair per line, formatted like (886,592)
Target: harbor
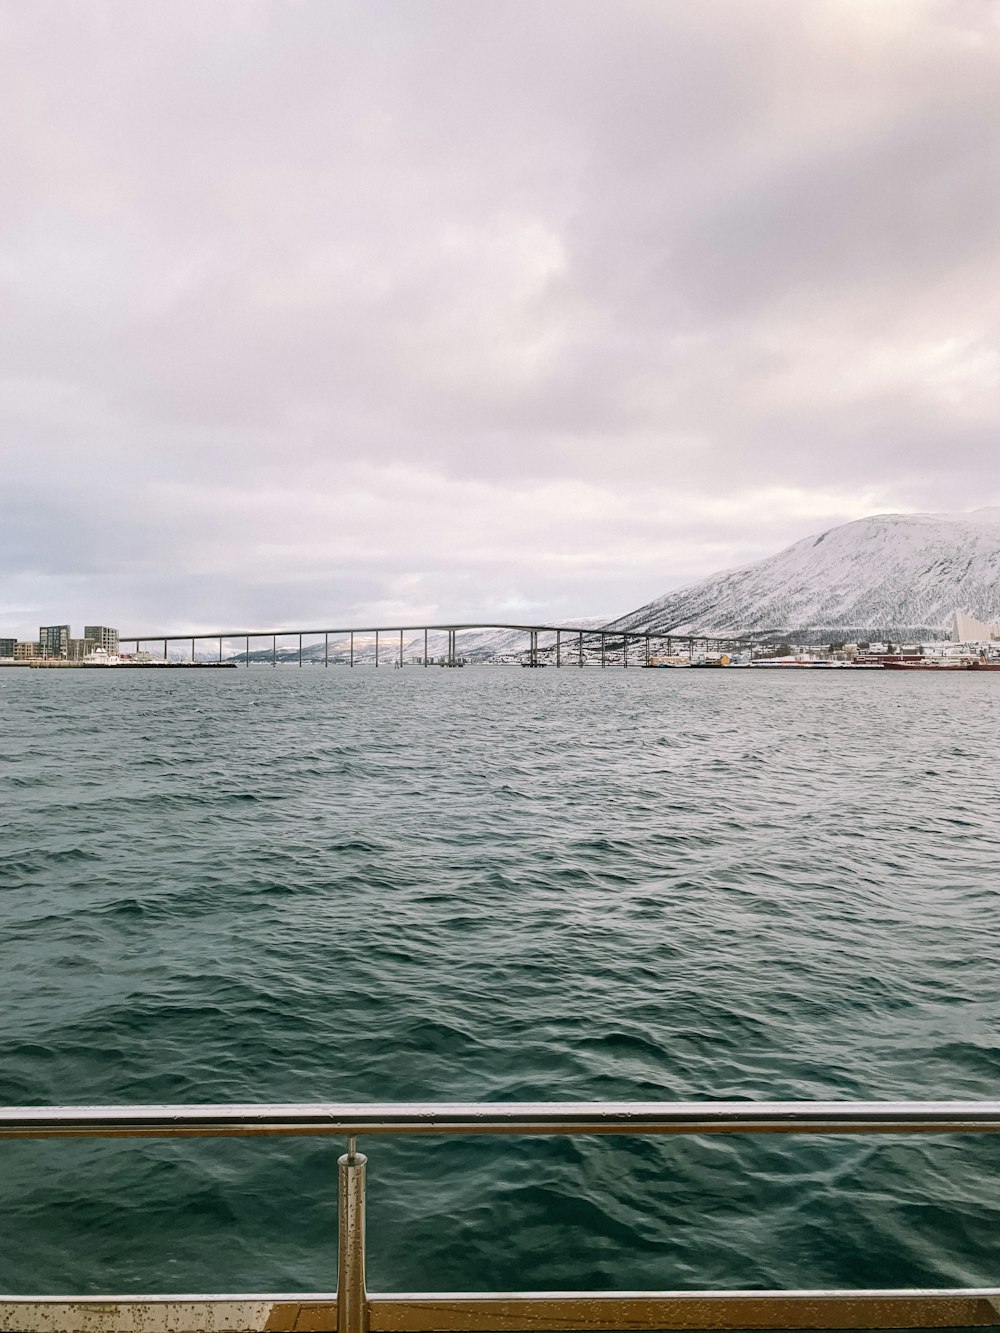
(483,644)
(98,663)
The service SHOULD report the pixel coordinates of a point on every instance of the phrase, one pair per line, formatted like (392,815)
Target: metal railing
(352,1309)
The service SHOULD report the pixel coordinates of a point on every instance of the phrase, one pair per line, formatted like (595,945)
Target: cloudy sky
(329,311)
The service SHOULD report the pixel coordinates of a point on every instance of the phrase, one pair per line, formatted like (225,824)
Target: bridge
(571,647)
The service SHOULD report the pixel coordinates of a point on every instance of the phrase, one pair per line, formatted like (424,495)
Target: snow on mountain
(499,643)
(892,574)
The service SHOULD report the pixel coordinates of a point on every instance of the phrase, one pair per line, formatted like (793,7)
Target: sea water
(496,884)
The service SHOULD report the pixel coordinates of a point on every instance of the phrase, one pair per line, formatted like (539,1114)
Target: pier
(385,645)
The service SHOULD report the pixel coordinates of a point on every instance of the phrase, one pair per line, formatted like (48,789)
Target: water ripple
(283,885)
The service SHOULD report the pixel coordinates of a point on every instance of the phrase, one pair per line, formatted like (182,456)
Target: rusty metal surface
(123,1314)
(347,1119)
(352,1295)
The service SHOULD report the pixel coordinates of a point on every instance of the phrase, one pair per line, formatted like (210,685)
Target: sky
(329,312)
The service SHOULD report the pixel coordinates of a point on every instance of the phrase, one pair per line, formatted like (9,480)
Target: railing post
(352,1296)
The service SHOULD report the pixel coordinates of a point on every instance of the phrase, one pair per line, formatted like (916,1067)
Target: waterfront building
(58,641)
(7,647)
(54,640)
(24,651)
(102,636)
(967,629)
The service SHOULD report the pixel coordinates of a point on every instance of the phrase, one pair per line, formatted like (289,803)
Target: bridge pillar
(376,647)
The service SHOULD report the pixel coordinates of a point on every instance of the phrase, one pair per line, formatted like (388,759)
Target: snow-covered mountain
(893,574)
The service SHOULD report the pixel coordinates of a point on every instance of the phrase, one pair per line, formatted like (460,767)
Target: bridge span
(574,645)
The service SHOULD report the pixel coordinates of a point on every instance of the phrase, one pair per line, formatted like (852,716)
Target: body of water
(285,885)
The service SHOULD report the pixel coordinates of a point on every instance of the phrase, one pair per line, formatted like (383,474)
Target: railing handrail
(355,1310)
(352,1119)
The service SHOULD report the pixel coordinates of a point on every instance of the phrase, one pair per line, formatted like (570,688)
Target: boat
(800,663)
(926,666)
(103,661)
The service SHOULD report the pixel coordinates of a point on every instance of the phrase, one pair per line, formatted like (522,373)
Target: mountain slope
(898,574)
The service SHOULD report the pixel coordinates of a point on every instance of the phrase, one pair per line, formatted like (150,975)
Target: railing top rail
(707,1117)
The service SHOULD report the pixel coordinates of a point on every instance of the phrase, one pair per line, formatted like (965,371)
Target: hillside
(900,575)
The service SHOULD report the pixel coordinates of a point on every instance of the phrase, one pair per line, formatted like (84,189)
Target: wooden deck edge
(511,1312)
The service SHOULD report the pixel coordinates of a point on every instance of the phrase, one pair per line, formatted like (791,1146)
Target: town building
(7,647)
(966,629)
(102,636)
(58,641)
(53,640)
(27,650)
